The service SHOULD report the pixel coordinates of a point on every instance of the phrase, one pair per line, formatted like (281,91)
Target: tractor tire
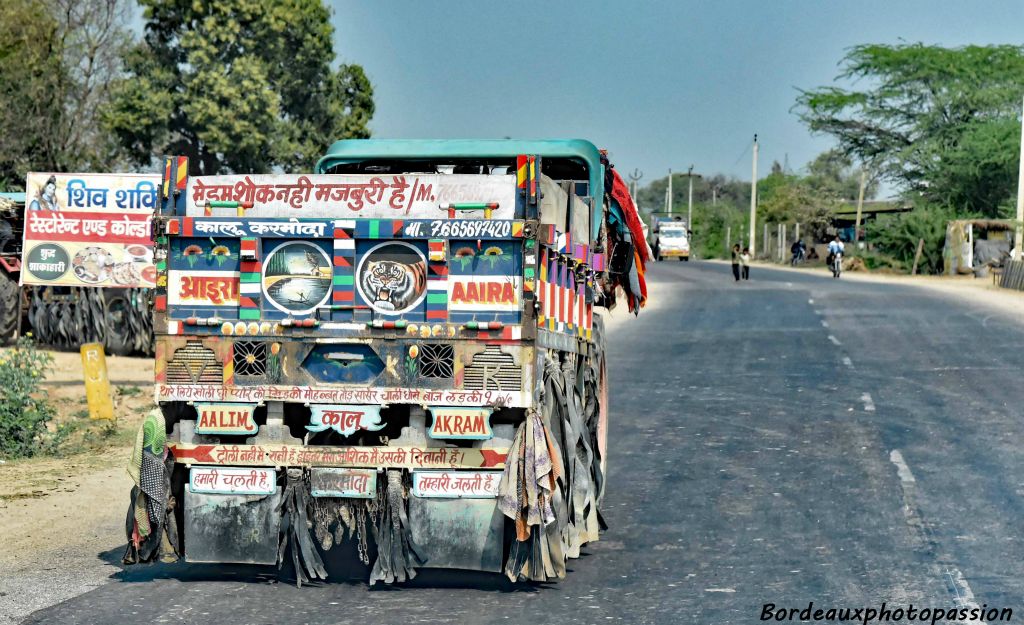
(9,295)
(117,336)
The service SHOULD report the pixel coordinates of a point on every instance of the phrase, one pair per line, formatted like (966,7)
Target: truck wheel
(9,294)
(117,336)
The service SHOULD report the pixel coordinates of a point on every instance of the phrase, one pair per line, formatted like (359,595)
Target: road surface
(790,439)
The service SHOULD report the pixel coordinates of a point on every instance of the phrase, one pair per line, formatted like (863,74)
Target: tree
(57,61)
(238,86)
(832,174)
(935,121)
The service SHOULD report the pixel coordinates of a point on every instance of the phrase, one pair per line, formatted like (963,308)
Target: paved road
(786,440)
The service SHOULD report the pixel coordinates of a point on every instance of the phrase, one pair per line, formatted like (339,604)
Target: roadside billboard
(89,230)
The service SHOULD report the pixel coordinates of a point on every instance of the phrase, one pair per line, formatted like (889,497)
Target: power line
(746,151)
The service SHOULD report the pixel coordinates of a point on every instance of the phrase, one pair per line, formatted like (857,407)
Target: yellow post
(97,384)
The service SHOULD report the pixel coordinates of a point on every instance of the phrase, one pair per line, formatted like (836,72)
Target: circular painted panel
(297,277)
(392,277)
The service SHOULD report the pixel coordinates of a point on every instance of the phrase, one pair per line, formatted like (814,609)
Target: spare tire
(118,335)
(9,294)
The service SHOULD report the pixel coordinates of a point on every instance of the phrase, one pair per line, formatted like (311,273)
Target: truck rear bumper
(234,514)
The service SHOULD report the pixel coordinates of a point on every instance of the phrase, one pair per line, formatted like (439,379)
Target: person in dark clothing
(798,249)
(736,262)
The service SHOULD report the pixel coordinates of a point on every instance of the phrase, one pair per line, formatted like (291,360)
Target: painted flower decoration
(464,256)
(494,254)
(275,348)
(414,351)
(220,253)
(192,254)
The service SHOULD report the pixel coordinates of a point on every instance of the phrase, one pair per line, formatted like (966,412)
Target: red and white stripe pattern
(562,298)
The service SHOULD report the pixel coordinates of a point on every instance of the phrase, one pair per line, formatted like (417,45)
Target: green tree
(57,61)
(238,86)
(935,121)
(832,174)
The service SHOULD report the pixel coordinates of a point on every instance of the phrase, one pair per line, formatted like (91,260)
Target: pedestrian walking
(736,262)
(745,262)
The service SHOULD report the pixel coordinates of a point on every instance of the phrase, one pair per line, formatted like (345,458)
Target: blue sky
(659,83)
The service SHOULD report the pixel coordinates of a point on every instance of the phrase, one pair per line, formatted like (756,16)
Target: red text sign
(467,484)
(468,293)
(344,420)
(229,481)
(467,423)
(229,419)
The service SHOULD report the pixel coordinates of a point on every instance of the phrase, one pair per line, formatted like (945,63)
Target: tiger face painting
(391,285)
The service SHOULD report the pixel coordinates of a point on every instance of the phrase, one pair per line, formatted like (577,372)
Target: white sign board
(232,481)
(455,484)
(341,196)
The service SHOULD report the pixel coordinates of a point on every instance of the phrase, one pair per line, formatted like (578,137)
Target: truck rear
(399,349)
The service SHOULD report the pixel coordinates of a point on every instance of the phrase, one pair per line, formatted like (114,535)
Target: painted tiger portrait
(392,285)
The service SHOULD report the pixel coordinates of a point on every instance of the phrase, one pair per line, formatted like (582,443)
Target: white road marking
(834,340)
(963,596)
(847,361)
(719,590)
(869,405)
(810,301)
(902,469)
(824,323)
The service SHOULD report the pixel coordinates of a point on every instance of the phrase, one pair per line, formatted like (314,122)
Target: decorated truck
(399,349)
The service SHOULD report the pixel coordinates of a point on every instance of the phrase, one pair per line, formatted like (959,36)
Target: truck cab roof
(359,154)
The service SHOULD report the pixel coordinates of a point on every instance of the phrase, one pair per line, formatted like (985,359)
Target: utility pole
(1020,199)
(753,203)
(714,195)
(860,206)
(689,201)
(634,178)
(670,192)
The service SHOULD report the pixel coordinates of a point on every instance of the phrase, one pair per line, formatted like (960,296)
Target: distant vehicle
(669,237)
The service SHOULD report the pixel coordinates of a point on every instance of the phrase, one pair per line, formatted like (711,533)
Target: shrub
(897,236)
(24,414)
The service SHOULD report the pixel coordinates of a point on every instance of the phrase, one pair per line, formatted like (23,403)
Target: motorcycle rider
(835,247)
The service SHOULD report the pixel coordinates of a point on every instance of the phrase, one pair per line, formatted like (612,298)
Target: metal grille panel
(493,370)
(250,358)
(194,364)
(437,360)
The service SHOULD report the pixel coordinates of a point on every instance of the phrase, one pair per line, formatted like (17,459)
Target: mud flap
(235,529)
(458,533)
